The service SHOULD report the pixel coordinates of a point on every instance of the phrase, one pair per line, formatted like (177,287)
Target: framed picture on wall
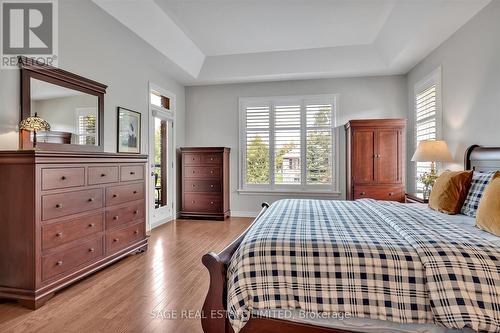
(129,131)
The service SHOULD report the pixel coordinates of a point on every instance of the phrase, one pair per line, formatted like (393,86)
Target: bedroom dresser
(205,182)
(65,215)
(376,159)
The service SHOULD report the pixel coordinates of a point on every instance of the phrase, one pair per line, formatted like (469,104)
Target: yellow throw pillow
(488,213)
(449,191)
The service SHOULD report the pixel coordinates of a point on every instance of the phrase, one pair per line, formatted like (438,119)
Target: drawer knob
(212,172)
(115,218)
(58,205)
(59,234)
(103,175)
(211,202)
(115,195)
(91,225)
(91,249)
(194,185)
(59,263)
(136,232)
(193,158)
(192,201)
(115,240)
(211,185)
(63,178)
(211,158)
(132,172)
(362,193)
(391,194)
(136,212)
(91,199)
(193,171)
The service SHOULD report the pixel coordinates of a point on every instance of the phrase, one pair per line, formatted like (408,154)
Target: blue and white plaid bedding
(370,259)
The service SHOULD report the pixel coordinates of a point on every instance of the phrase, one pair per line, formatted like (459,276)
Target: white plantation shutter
(426,118)
(287,142)
(86,125)
(257,143)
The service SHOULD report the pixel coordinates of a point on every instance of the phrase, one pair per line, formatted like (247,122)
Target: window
(427,117)
(86,125)
(157,99)
(287,143)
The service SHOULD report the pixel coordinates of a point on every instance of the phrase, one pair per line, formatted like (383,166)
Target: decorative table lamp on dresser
(34,124)
(429,151)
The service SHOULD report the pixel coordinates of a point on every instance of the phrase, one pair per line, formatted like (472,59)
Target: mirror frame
(30,68)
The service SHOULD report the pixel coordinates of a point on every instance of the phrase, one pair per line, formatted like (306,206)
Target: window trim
(291,189)
(433,78)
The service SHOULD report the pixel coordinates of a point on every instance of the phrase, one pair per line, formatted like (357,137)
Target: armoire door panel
(388,168)
(363,152)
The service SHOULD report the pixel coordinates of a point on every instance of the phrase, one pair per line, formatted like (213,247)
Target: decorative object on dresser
(376,159)
(34,124)
(205,182)
(431,151)
(416,198)
(66,215)
(129,131)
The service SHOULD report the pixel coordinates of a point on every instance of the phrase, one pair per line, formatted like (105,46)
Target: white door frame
(169,213)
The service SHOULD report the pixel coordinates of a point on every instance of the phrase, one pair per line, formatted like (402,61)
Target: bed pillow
(479,182)
(488,213)
(449,191)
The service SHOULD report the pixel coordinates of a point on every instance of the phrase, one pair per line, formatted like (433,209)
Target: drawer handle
(63,178)
(136,212)
(115,240)
(362,193)
(132,172)
(103,175)
(59,206)
(115,195)
(91,199)
(59,263)
(136,232)
(91,249)
(59,234)
(91,225)
(115,218)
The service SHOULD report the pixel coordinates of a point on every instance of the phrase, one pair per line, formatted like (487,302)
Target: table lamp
(34,124)
(432,151)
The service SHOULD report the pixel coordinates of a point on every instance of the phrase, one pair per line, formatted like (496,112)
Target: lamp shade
(432,151)
(34,123)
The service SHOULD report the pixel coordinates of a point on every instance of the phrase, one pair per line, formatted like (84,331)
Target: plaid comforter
(370,259)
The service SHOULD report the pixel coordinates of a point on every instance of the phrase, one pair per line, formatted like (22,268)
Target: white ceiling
(226,41)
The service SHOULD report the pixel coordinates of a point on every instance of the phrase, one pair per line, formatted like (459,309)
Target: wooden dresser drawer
(123,215)
(120,238)
(215,158)
(68,203)
(198,185)
(124,193)
(102,174)
(54,178)
(191,159)
(131,172)
(64,261)
(56,234)
(202,203)
(388,193)
(202,172)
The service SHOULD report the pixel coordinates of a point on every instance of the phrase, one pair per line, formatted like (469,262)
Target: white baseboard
(243,214)
(162,222)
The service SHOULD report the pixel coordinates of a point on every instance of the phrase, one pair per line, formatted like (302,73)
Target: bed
(378,266)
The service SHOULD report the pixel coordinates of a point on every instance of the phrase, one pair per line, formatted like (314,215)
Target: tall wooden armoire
(376,159)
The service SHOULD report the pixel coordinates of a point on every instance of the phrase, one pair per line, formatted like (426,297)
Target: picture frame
(128,131)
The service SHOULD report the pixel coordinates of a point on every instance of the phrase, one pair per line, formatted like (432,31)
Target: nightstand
(415,198)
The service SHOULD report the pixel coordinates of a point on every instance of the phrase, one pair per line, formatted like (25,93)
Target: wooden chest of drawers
(64,216)
(205,182)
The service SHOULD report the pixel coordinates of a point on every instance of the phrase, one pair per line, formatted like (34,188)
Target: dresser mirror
(72,105)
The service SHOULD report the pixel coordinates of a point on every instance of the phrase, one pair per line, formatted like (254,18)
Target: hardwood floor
(134,294)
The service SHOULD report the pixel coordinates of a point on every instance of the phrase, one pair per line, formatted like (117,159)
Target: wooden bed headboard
(481,158)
